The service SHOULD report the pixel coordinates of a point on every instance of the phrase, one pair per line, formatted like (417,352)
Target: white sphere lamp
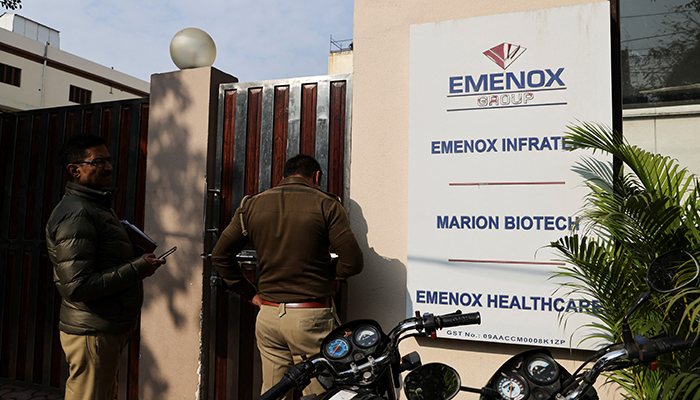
(192,48)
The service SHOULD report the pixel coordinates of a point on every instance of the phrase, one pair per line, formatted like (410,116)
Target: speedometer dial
(366,336)
(338,348)
(542,369)
(511,388)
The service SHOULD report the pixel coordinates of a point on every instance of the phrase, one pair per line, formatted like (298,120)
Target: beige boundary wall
(671,131)
(182,123)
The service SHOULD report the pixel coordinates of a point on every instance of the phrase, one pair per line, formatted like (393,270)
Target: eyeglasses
(97,162)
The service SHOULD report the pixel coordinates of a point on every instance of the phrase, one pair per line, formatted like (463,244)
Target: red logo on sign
(505,53)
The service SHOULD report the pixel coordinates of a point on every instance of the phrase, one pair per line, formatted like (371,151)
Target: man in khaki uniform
(293,228)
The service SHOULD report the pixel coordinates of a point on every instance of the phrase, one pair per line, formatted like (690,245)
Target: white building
(35,73)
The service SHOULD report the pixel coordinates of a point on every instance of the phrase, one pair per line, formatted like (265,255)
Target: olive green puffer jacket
(96,269)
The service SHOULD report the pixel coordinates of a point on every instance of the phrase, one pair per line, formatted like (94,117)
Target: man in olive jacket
(96,271)
(293,227)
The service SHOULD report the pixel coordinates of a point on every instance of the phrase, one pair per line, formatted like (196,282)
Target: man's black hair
(75,147)
(301,164)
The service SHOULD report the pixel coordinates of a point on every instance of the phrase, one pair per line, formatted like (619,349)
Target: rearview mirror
(671,271)
(434,381)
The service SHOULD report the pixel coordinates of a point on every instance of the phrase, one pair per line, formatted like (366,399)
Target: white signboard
(490,182)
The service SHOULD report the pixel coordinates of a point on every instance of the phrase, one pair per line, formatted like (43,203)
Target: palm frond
(683,386)
(630,216)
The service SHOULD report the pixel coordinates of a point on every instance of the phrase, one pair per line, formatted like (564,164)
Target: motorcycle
(359,361)
(535,375)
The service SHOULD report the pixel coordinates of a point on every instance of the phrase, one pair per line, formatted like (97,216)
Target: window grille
(79,95)
(10,75)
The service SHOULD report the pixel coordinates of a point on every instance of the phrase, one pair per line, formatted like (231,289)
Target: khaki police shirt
(293,228)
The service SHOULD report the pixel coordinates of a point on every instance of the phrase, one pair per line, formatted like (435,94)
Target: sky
(255,39)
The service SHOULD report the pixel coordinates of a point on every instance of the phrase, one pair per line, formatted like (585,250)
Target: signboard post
(490,180)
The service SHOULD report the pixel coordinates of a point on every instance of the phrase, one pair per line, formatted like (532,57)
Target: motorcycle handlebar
(648,350)
(299,375)
(446,321)
(668,345)
(279,390)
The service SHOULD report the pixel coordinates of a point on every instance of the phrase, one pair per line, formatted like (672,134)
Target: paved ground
(10,391)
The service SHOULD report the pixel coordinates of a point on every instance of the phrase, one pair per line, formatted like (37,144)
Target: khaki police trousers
(93,362)
(286,336)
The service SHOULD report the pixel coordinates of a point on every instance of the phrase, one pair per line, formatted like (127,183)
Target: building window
(10,75)
(660,41)
(79,95)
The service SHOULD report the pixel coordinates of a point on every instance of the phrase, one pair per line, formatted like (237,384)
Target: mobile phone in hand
(167,253)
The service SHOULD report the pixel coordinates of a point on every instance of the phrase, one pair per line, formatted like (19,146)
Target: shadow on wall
(175,217)
(383,280)
(152,383)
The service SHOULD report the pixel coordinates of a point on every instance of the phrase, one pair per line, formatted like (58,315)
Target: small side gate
(32,183)
(261,124)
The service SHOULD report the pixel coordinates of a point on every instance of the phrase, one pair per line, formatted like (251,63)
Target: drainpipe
(43,72)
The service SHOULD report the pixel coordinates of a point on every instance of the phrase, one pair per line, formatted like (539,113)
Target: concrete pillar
(181,131)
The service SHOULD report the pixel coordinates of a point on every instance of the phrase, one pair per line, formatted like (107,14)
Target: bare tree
(11,4)
(669,66)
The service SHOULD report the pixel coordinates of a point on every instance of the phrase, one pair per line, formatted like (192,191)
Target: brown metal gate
(32,184)
(261,124)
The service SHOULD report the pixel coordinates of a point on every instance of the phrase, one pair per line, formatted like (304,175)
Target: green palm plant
(630,216)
